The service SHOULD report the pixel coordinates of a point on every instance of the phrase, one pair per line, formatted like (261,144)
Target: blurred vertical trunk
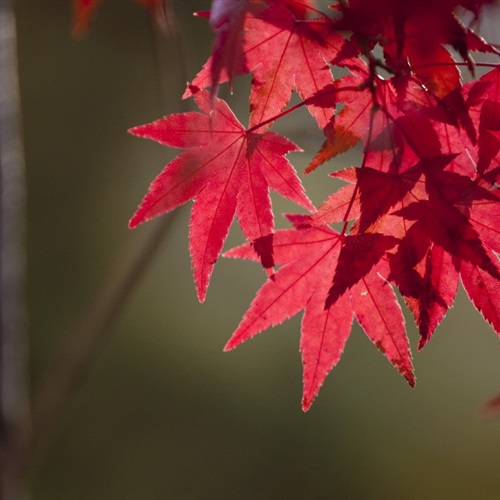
(13,387)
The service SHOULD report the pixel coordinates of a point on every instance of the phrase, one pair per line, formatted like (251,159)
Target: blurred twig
(68,372)
(13,351)
(491,409)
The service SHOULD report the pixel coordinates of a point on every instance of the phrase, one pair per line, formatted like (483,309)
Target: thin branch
(76,357)
(13,352)
(66,375)
(330,90)
(456,63)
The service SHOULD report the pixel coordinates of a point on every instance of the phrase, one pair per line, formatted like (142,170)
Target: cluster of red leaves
(419,213)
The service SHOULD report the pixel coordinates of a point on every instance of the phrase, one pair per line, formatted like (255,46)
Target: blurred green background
(165,414)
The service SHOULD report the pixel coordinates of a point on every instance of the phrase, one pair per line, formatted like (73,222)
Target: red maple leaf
(308,257)
(427,277)
(484,103)
(352,123)
(226,18)
(283,51)
(379,111)
(227,170)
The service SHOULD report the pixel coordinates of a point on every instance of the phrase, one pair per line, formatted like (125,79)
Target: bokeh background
(164,413)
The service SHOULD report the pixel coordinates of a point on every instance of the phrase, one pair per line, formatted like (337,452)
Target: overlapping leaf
(413,35)
(283,51)
(443,217)
(308,257)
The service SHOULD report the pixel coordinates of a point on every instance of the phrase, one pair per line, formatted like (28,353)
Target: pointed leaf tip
(136,220)
(306,404)
(229,346)
(138,130)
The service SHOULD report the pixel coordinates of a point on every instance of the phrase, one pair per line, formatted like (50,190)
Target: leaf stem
(304,102)
(457,63)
